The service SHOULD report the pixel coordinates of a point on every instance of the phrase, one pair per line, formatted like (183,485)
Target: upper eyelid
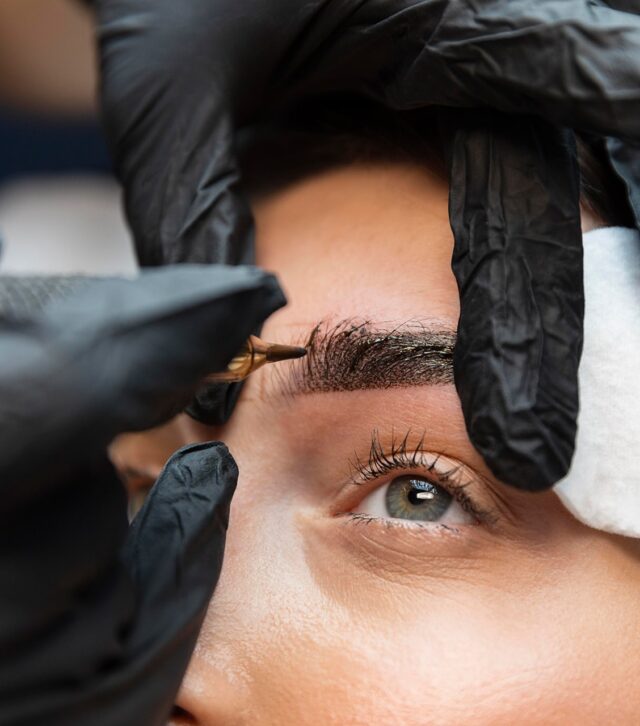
(378,455)
(369,473)
(403,457)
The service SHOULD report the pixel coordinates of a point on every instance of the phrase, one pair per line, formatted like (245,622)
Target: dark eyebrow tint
(352,356)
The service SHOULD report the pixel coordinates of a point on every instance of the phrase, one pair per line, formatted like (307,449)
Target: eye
(414,498)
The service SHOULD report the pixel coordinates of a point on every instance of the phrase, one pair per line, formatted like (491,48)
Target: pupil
(419,497)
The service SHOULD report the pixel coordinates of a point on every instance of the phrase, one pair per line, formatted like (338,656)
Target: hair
(315,135)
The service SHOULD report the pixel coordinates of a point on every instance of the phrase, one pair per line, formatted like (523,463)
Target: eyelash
(400,457)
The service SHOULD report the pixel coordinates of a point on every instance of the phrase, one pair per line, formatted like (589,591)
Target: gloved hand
(97,624)
(178,79)
(514,187)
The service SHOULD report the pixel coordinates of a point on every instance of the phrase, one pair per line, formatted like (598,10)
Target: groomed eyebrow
(352,356)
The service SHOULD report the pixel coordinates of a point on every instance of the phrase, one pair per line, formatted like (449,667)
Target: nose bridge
(240,672)
(216,688)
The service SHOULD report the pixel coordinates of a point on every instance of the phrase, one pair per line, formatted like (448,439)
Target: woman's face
(375,572)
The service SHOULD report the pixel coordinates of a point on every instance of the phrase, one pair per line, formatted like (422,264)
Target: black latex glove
(572,62)
(514,210)
(97,624)
(178,78)
(513,188)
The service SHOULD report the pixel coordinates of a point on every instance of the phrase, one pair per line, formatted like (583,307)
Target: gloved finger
(66,598)
(98,634)
(626,6)
(213,404)
(174,555)
(194,211)
(167,75)
(124,355)
(177,80)
(514,210)
(174,547)
(574,62)
(173,83)
(624,157)
(23,297)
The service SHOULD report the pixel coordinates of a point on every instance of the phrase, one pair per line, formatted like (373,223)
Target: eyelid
(464,485)
(452,479)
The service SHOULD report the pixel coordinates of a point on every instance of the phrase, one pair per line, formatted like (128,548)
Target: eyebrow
(352,356)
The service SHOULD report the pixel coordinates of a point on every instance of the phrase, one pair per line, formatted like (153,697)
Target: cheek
(305,638)
(298,658)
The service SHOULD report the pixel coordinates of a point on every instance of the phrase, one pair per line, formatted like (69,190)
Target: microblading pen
(253,355)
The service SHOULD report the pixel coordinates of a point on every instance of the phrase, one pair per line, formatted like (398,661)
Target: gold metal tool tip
(253,355)
(276,352)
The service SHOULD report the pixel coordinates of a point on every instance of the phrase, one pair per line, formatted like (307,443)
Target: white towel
(602,488)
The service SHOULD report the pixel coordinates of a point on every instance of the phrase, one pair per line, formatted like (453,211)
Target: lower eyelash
(357,518)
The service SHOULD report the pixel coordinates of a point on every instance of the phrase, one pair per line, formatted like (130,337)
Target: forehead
(365,241)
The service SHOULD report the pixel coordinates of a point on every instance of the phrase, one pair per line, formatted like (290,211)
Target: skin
(528,618)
